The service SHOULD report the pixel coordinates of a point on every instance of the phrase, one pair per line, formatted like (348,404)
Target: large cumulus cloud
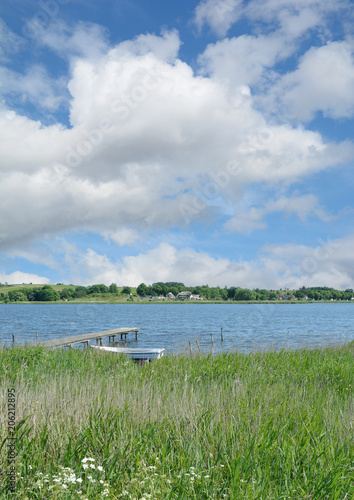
(146,133)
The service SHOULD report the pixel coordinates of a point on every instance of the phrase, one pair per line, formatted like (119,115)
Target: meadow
(267,425)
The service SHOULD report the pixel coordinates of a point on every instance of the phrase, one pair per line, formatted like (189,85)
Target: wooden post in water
(13,338)
(222,336)
(190,348)
(212,340)
(198,346)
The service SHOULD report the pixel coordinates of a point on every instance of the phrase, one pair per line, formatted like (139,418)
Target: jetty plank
(85,337)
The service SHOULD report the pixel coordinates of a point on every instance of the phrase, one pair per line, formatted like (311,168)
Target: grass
(270,425)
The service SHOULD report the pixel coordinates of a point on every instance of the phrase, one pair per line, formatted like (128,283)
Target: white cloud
(34,86)
(123,236)
(323,81)
(146,132)
(294,14)
(18,277)
(303,206)
(85,39)
(330,261)
(220,15)
(242,60)
(246,221)
(278,28)
(10,42)
(293,17)
(164,47)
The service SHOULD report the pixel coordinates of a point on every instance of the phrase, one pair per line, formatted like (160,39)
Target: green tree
(173,290)
(127,290)
(98,289)
(175,284)
(159,288)
(142,290)
(17,296)
(66,293)
(244,294)
(80,292)
(113,288)
(215,293)
(47,294)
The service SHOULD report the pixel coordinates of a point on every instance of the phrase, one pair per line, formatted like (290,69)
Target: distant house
(195,297)
(170,296)
(184,295)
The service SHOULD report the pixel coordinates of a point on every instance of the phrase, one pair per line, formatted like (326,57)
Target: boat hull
(136,354)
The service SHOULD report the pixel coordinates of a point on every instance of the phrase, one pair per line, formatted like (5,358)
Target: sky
(204,142)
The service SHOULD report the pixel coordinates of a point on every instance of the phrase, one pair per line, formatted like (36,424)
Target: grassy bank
(92,425)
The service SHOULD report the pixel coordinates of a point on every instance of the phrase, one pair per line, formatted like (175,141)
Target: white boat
(136,354)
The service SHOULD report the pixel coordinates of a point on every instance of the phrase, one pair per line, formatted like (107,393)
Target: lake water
(246,327)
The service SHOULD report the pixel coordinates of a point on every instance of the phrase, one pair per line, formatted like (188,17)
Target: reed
(268,425)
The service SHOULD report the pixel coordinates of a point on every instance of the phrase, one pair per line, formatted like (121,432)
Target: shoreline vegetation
(171,292)
(265,425)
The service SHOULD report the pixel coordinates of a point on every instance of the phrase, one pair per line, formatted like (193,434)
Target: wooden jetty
(87,337)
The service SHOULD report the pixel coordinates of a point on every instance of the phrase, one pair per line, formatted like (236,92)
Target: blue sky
(204,142)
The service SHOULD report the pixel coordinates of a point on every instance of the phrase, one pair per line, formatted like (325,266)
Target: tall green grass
(270,425)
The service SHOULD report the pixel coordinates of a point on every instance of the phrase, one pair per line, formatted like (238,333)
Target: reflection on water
(184,327)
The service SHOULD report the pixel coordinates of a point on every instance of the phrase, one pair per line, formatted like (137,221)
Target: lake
(246,327)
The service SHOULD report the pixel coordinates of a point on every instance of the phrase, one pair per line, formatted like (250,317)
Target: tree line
(245,294)
(47,293)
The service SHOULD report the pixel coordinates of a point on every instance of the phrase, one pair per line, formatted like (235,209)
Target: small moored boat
(136,354)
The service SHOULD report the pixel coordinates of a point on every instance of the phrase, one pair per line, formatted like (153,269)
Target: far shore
(184,302)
